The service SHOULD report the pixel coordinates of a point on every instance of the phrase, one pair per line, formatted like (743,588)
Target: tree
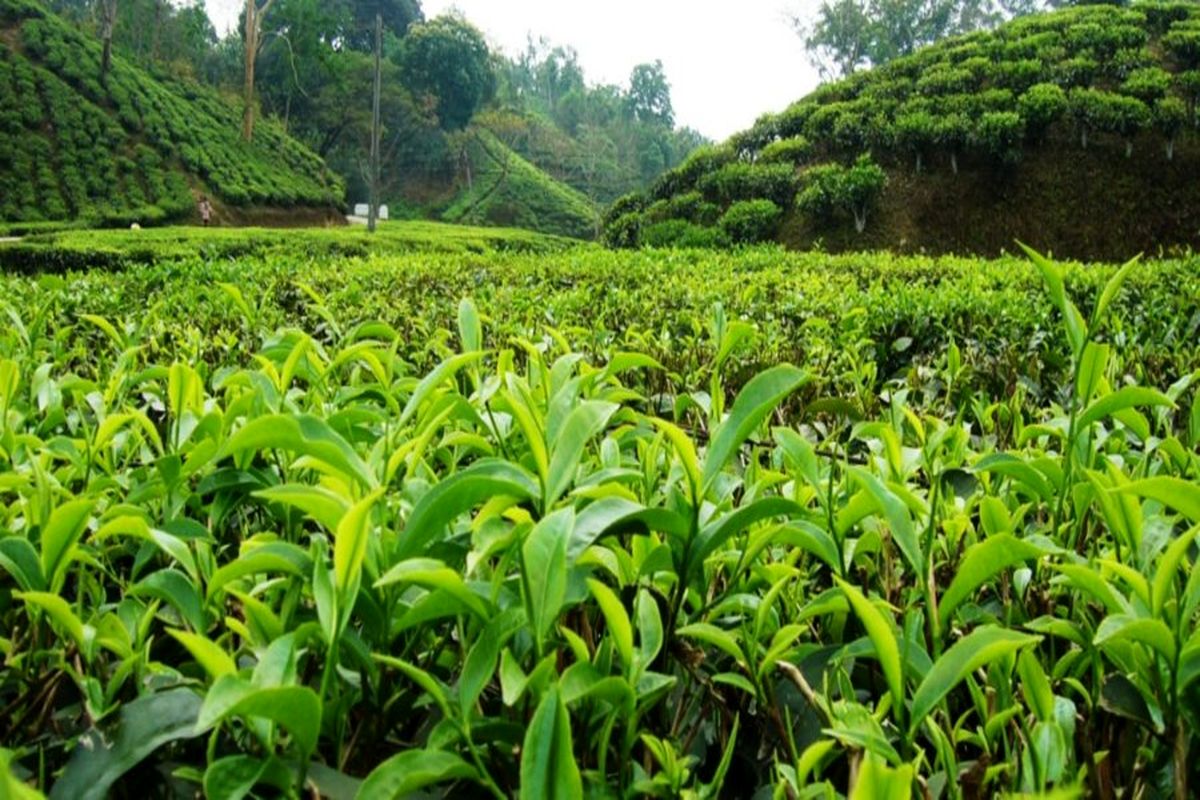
(830,189)
(846,35)
(108,21)
(649,98)
(448,60)
(253,16)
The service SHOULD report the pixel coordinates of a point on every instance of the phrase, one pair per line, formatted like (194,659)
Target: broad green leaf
(172,586)
(442,373)
(982,646)
(877,781)
(545,565)
(899,519)
(59,611)
(1128,397)
(585,421)
(981,563)
(470,329)
(267,558)
(458,494)
(296,708)
(306,435)
(1036,686)
(684,449)
(350,547)
(232,778)
(617,620)
(719,531)
(1092,367)
(317,502)
(882,634)
(1110,292)
(19,559)
(753,405)
(548,768)
(434,575)
(712,635)
(649,628)
(1152,633)
(102,758)
(1176,493)
(1168,567)
(63,531)
(208,654)
(409,772)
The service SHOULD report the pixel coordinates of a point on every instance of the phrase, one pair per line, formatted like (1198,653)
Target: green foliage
(741,181)
(794,150)
(507,190)
(448,59)
(336,530)
(832,189)
(127,148)
(1091,75)
(751,221)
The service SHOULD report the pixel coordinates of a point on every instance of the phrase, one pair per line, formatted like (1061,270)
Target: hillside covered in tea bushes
(1074,130)
(124,146)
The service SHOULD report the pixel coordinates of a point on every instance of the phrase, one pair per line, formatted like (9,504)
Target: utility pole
(376,133)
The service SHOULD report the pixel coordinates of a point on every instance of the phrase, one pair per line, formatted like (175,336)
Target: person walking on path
(205,211)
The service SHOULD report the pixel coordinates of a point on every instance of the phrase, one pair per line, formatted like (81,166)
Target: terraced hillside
(126,146)
(1074,130)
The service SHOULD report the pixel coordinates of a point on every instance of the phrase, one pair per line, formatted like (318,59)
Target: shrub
(624,231)
(682,234)
(832,189)
(1041,106)
(1170,117)
(1147,84)
(999,134)
(1183,42)
(741,181)
(751,221)
(916,132)
(794,150)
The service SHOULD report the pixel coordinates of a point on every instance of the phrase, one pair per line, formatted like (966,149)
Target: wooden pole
(376,133)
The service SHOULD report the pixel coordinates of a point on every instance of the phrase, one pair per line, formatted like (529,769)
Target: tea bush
(305,526)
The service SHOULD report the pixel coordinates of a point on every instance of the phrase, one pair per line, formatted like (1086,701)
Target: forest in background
(442,83)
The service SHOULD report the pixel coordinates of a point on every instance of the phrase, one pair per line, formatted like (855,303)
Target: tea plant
(293,559)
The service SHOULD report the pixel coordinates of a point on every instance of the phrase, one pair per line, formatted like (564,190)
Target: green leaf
(59,611)
(545,565)
(350,548)
(881,632)
(649,627)
(174,587)
(1168,566)
(585,421)
(306,435)
(63,531)
(440,374)
(1092,366)
(434,575)
(1128,397)
(1110,292)
(898,518)
(981,563)
(617,620)
(215,661)
(1176,493)
(232,778)
(296,708)
(877,781)
(271,557)
(716,533)
(470,329)
(146,724)
(982,646)
(317,502)
(1152,633)
(753,405)
(712,635)
(408,772)
(19,559)
(456,495)
(548,768)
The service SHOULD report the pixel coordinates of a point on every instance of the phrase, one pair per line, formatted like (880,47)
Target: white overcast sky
(727,62)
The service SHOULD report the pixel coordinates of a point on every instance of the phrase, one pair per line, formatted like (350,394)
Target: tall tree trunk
(373,212)
(108,22)
(254,15)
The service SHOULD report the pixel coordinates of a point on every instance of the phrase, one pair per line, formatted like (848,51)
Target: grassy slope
(505,189)
(1092,202)
(131,147)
